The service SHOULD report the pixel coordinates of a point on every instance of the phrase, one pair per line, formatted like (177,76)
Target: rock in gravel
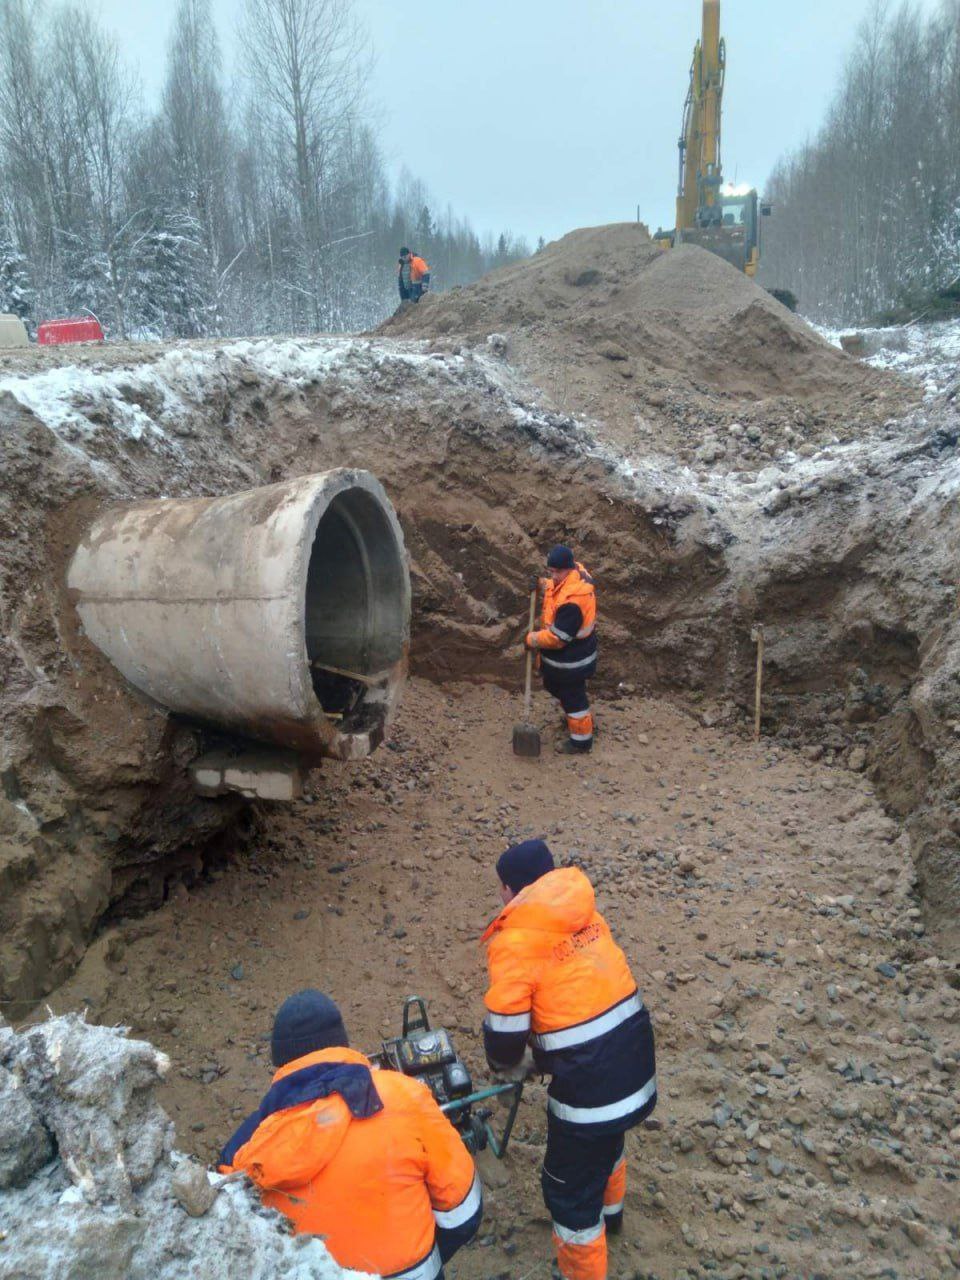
(191,1187)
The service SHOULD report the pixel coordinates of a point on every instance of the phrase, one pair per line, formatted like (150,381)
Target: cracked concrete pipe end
(280,614)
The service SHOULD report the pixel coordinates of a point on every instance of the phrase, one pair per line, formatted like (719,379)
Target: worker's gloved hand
(534,583)
(524,1069)
(530,640)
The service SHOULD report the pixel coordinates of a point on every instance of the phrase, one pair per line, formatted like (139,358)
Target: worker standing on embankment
(365,1159)
(413,276)
(567,642)
(558,980)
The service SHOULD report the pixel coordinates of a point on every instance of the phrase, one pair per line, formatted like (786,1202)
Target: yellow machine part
(702,121)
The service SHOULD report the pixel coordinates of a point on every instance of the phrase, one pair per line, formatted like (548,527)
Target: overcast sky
(543,115)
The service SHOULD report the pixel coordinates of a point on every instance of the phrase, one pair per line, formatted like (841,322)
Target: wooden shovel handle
(529,680)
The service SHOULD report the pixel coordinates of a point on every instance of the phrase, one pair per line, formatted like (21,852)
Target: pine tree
(425,228)
(87,282)
(16,295)
(169,294)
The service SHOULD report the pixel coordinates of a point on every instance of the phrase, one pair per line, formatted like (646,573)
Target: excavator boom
(700,163)
(725,222)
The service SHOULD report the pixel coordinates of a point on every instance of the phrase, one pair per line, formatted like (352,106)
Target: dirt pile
(90,1184)
(675,351)
(807,1020)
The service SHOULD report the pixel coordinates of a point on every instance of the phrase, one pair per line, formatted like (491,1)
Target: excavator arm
(700,162)
(725,222)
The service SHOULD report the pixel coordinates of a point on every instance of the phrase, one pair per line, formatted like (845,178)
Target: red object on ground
(81,329)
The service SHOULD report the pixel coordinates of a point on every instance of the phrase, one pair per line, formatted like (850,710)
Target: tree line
(196,218)
(866,217)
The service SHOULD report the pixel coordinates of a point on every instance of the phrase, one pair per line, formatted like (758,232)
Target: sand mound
(675,350)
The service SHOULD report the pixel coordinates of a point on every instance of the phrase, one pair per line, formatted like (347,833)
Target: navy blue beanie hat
(561,558)
(306,1022)
(524,863)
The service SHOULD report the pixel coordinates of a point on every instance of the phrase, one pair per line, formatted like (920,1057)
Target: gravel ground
(808,1038)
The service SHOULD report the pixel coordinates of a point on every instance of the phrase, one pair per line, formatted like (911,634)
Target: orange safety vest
(576,588)
(378,1188)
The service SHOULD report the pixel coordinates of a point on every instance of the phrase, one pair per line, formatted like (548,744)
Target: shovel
(526,736)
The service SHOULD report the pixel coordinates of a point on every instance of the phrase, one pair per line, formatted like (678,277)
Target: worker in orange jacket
(560,982)
(567,644)
(413,276)
(364,1158)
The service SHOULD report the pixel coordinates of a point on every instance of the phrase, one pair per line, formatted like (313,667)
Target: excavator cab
(730,228)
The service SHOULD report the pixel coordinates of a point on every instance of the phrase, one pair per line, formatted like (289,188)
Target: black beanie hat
(403,250)
(306,1022)
(561,557)
(524,863)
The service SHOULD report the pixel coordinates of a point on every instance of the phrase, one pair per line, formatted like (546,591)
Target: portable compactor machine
(427,1053)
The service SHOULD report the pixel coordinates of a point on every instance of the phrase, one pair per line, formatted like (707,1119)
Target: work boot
(570,748)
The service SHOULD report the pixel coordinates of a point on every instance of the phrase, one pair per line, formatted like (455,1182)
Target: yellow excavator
(723,219)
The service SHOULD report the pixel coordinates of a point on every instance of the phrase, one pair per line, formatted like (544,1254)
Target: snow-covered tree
(169,294)
(277,216)
(16,292)
(865,216)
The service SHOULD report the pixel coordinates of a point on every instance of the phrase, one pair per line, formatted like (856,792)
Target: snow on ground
(927,352)
(151,402)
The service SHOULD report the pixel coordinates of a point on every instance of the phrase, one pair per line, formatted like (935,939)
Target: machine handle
(422,1022)
(498,1145)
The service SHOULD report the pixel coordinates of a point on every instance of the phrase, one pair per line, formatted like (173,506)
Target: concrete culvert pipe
(281,614)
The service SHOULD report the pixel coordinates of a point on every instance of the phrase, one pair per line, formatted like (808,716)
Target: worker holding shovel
(567,644)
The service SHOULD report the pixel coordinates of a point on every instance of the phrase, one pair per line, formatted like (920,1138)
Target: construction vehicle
(726,220)
(427,1054)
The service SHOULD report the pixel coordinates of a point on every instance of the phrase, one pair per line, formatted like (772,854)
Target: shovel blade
(526,740)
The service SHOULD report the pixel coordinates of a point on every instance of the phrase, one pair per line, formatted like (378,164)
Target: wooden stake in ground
(756,635)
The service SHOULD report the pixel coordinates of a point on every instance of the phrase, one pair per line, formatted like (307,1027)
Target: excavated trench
(775,857)
(843,552)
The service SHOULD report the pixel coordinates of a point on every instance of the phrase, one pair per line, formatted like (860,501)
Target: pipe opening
(279,615)
(355,608)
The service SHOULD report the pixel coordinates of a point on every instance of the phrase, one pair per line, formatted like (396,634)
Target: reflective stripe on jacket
(568,635)
(385,1178)
(558,979)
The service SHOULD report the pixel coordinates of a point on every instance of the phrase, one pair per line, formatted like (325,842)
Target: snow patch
(930,353)
(89,1178)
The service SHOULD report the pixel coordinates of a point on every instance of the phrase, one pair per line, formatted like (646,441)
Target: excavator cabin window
(735,213)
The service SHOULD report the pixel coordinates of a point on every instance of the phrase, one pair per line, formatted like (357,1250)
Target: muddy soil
(672,352)
(808,1033)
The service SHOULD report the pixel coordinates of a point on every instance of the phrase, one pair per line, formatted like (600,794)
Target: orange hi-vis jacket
(568,634)
(418,269)
(393,1193)
(558,979)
